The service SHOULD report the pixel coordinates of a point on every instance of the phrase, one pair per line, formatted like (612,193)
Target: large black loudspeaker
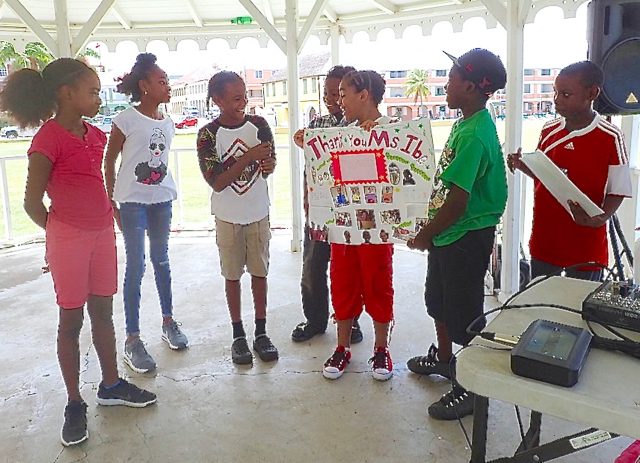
(613,34)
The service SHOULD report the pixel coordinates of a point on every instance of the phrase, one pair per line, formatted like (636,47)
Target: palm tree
(35,54)
(416,86)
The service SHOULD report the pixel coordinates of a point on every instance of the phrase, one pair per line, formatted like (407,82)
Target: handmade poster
(558,183)
(369,186)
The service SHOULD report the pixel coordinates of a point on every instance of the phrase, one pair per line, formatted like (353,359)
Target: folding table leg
(480,419)
(532,438)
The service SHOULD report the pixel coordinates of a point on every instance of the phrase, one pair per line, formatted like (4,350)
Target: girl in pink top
(65,161)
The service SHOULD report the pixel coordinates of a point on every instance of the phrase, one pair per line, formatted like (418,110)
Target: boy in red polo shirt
(592,153)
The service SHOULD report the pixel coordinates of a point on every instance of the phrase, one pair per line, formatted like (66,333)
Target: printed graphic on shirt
(249,175)
(440,190)
(154,171)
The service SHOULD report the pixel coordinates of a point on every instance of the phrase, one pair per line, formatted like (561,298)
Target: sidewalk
(210,410)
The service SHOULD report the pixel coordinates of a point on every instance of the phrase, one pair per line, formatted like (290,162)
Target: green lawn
(195,192)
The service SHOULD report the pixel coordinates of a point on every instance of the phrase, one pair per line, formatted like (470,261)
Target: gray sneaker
(174,337)
(137,357)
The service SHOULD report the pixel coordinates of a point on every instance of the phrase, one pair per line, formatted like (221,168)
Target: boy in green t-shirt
(468,198)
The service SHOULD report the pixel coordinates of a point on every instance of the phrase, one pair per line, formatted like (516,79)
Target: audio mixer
(614,303)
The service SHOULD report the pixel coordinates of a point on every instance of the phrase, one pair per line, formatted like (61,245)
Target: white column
(510,271)
(62,29)
(335,45)
(293,73)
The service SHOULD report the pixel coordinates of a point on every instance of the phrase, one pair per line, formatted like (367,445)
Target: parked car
(104,123)
(13,131)
(190,111)
(189,121)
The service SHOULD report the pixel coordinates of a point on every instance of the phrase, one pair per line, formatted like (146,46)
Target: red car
(189,121)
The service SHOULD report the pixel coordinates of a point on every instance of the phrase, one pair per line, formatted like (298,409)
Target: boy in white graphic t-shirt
(236,153)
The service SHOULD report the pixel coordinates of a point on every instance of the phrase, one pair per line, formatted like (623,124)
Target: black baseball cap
(483,68)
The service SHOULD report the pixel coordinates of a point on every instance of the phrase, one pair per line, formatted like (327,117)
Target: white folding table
(606,397)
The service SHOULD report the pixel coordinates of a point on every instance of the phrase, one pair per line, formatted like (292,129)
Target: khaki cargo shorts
(243,245)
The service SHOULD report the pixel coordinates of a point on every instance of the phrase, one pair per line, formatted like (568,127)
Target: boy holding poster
(362,274)
(468,198)
(315,256)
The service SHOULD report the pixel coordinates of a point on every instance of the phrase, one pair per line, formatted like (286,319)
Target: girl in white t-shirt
(144,190)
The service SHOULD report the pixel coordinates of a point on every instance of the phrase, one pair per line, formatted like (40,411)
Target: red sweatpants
(362,274)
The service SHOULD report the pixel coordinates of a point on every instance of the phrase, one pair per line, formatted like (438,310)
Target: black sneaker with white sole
(455,404)
(125,393)
(74,429)
(429,364)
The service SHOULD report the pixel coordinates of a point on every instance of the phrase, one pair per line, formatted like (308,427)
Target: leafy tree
(34,52)
(416,86)
(7,53)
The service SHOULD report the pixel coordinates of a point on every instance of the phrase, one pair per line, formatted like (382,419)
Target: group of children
(236,154)
(467,201)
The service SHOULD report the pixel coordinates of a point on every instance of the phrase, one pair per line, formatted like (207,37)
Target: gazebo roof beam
(498,10)
(330,14)
(122,19)
(193,12)
(94,21)
(33,24)
(268,27)
(268,12)
(386,6)
(311,21)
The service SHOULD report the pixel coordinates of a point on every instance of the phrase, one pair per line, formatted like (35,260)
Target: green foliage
(34,52)
(416,86)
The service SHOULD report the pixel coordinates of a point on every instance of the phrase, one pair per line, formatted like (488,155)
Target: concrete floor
(210,410)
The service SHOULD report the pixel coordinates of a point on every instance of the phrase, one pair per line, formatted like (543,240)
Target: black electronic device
(265,135)
(613,35)
(614,303)
(551,352)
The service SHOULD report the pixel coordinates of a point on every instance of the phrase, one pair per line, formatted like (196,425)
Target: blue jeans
(156,220)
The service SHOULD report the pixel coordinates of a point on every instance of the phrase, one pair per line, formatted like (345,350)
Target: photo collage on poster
(369,187)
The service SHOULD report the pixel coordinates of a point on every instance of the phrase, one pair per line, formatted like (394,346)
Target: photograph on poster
(392,217)
(355,195)
(366,219)
(343,219)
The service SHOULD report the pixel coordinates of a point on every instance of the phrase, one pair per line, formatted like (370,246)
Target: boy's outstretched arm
(450,212)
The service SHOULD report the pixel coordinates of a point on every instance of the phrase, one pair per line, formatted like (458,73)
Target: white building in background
(112,101)
(190,91)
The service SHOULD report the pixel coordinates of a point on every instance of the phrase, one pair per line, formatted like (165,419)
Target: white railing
(179,221)
(4,188)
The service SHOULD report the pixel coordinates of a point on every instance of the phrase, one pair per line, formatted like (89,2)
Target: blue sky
(551,41)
